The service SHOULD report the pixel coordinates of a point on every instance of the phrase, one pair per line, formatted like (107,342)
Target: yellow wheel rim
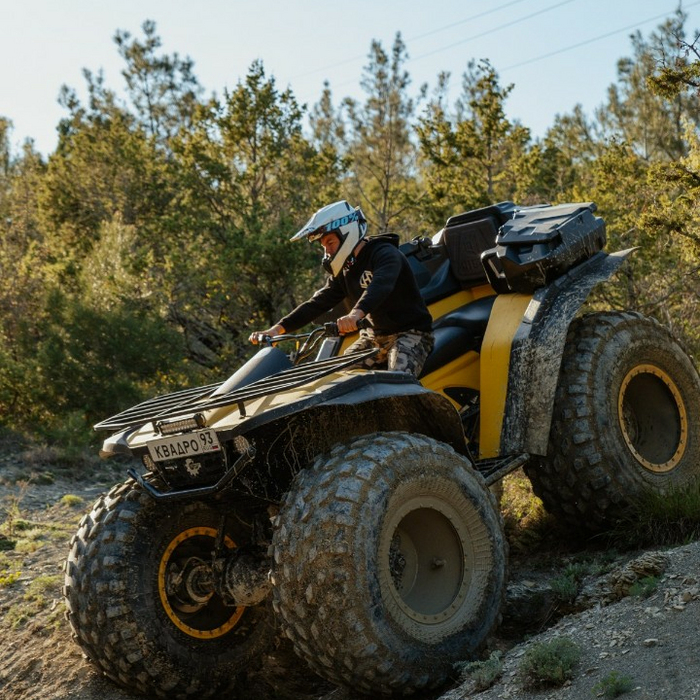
(211,619)
(653,418)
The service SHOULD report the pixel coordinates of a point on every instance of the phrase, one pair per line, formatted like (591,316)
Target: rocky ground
(643,633)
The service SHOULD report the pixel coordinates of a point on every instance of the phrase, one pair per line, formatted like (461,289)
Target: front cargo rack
(201,399)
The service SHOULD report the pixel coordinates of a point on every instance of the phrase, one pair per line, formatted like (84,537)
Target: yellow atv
(351,509)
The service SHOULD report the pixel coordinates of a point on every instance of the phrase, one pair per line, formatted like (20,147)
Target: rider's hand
(256,337)
(348,323)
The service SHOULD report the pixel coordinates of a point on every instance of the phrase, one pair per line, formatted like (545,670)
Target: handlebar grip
(331,328)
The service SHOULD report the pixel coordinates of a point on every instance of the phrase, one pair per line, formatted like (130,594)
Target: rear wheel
(141,601)
(389,563)
(626,420)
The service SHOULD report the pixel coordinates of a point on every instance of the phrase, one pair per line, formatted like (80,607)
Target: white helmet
(347,223)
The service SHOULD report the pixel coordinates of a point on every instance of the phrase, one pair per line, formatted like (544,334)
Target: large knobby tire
(389,563)
(129,616)
(626,420)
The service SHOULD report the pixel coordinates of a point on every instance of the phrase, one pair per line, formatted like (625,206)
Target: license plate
(189,445)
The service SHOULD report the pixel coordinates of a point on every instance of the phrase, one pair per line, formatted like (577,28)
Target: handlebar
(331,327)
(310,338)
(328,330)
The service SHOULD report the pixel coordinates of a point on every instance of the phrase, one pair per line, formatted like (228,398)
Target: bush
(565,587)
(483,674)
(614,685)
(644,587)
(656,519)
(72,501)
(81,364)
(7,578)
(549,663)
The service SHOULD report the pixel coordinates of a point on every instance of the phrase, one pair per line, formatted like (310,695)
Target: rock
(649,564)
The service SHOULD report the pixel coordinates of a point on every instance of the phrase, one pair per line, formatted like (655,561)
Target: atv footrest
(494,470)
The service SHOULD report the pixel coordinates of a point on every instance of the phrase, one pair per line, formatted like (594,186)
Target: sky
(556,53)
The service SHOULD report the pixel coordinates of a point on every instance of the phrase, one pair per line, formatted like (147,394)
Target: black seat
(458,332)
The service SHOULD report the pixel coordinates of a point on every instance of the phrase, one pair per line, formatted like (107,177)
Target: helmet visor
(315,233)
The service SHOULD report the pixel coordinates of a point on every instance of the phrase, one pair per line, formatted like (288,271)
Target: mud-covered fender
(363,402)
(536,352)
(289,437)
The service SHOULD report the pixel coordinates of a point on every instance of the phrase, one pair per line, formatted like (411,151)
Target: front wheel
(626,420)
(140,600)
(389,563)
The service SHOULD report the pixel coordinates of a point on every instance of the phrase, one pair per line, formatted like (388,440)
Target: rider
(376,279)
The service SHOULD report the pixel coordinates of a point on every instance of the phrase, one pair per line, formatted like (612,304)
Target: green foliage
(483,674)
(247,178)
(7,578)
(645,181)
(566,585)
(655,519)
(613,685)
(138,256)
(163,89)
(644,119)
(22,525)
(474,156)
(85,363)
(549,664)
(380,144)
(645,587)
(72,501)
(105,168)
(29,543)
(43,584)
(40,591)
(527,524)
(672,221)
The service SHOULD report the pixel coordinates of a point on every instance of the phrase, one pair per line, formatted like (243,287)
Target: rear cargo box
(540,244)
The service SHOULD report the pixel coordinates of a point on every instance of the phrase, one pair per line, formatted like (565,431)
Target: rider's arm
(323,300)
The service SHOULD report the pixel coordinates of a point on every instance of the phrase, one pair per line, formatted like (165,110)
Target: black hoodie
(380,282)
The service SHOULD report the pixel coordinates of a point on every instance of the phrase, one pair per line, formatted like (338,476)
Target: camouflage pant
(403,352)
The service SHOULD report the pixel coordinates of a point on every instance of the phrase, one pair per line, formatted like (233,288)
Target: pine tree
(249,180)
(473,155)
(163,88)
(380,144)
